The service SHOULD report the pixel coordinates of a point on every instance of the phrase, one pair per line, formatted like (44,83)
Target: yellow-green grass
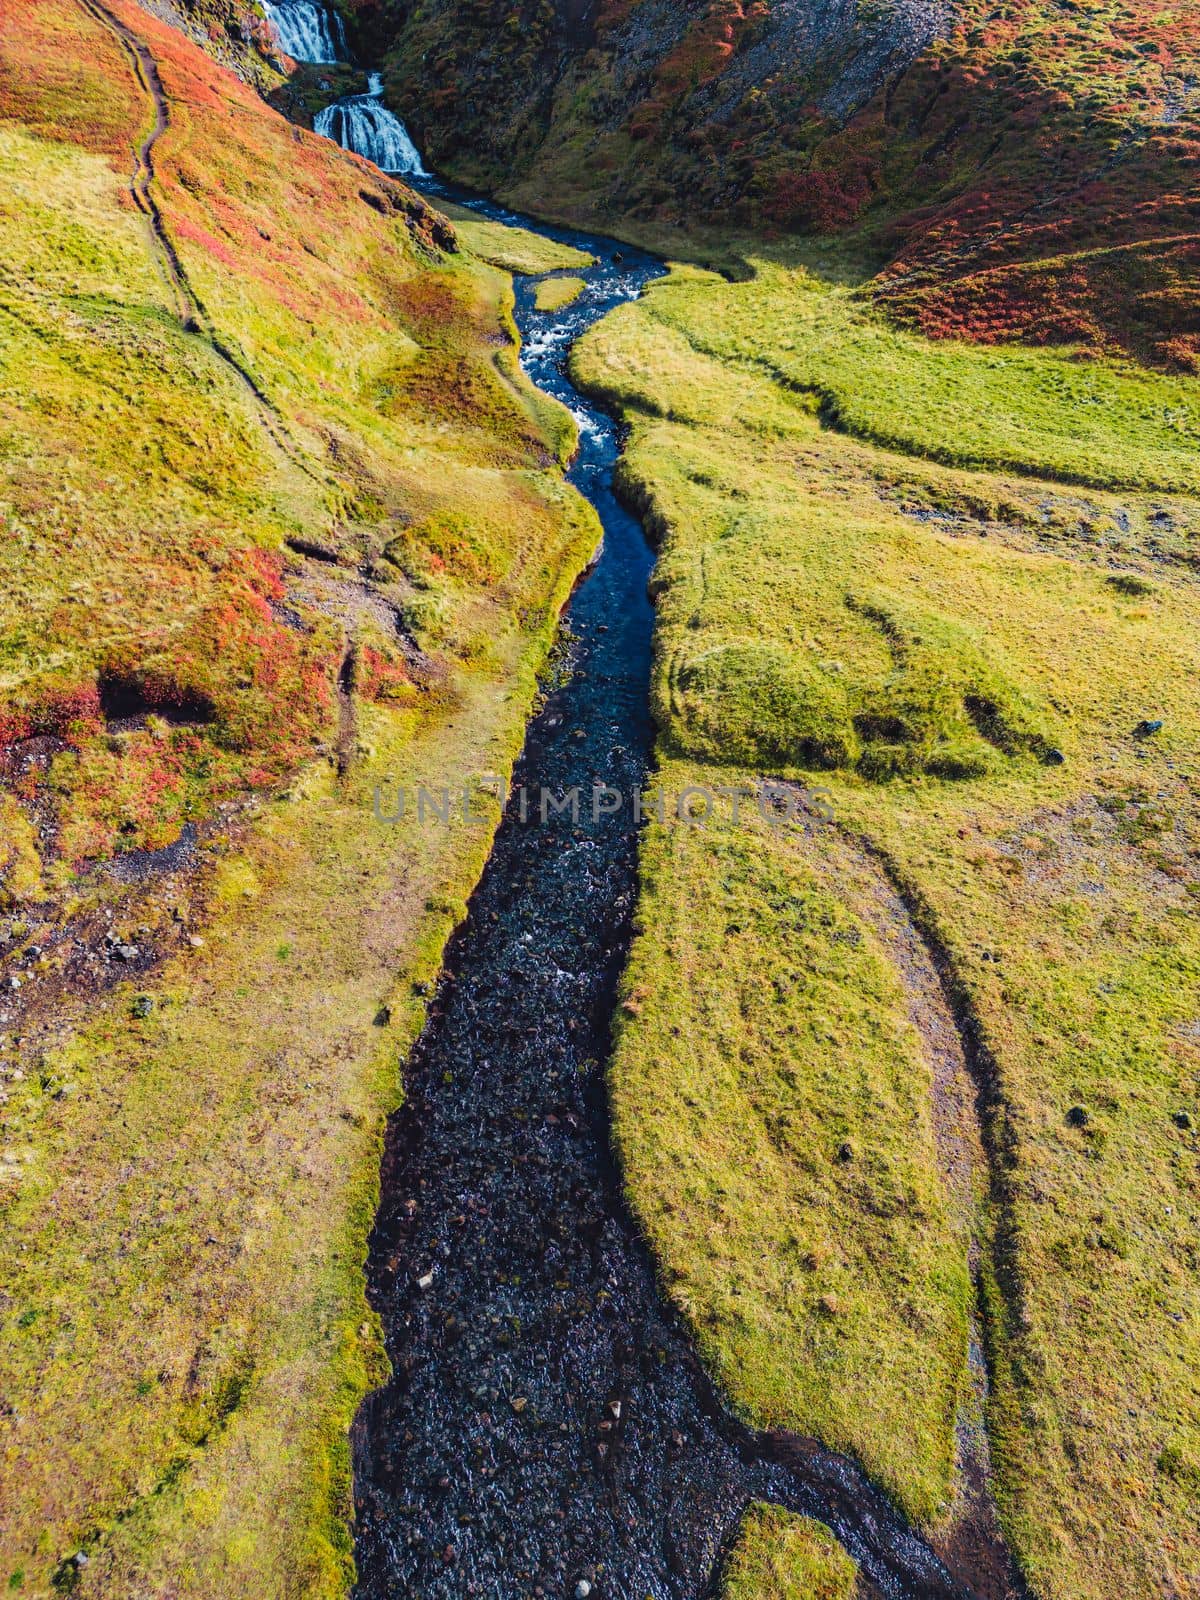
(774,1124)
(925,641)
(513,249)
(1044,412)
(553,294)
(783,1557)
(186,1194)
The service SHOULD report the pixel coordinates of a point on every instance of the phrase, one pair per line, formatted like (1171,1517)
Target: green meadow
(948,585)
(782,1557)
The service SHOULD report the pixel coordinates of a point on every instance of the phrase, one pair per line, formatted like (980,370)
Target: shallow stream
(548,1425)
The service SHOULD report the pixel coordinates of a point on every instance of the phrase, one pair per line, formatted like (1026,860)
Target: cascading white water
(362,123)
(307,30)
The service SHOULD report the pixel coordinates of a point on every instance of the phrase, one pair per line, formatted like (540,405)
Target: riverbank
(285,523)
(547,1424)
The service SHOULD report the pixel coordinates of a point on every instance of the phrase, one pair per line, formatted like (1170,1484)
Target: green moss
(1008,408)
(774,1125)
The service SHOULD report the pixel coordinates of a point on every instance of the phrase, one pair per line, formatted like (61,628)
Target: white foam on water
(362,123)
(307,31)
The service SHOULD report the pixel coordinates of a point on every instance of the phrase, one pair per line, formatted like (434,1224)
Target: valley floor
(908,1047)
(946,598)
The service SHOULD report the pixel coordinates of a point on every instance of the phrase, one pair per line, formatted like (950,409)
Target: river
(548,1428)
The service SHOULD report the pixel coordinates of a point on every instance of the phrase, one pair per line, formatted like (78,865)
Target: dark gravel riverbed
(548,1427)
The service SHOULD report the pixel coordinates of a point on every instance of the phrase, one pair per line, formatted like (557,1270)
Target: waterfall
(364,124)
(307,30)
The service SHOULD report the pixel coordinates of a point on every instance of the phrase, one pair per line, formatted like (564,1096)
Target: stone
(142,1006)
(1077,1117)
(1147,727)
(1181,1119)
(582,1589)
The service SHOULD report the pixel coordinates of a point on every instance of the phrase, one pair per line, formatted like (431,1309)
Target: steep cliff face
(1023,169)
(648,107)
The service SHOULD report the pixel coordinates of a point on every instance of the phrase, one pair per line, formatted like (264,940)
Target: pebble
(582,1589)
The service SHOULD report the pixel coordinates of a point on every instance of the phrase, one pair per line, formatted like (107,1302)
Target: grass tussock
(784,1557)
(553,294)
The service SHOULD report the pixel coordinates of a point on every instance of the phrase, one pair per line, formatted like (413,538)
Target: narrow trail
(347,735)
(193,317)
(145,70)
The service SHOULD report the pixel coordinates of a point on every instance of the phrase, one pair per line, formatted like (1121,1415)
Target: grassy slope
(923,639)
(781,1557)
(186,1194)
(1031,173)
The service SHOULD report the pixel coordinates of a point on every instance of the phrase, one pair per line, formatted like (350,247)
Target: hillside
(281,519)
(1025,169)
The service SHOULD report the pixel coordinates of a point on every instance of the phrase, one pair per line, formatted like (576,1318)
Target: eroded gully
(548,1423)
